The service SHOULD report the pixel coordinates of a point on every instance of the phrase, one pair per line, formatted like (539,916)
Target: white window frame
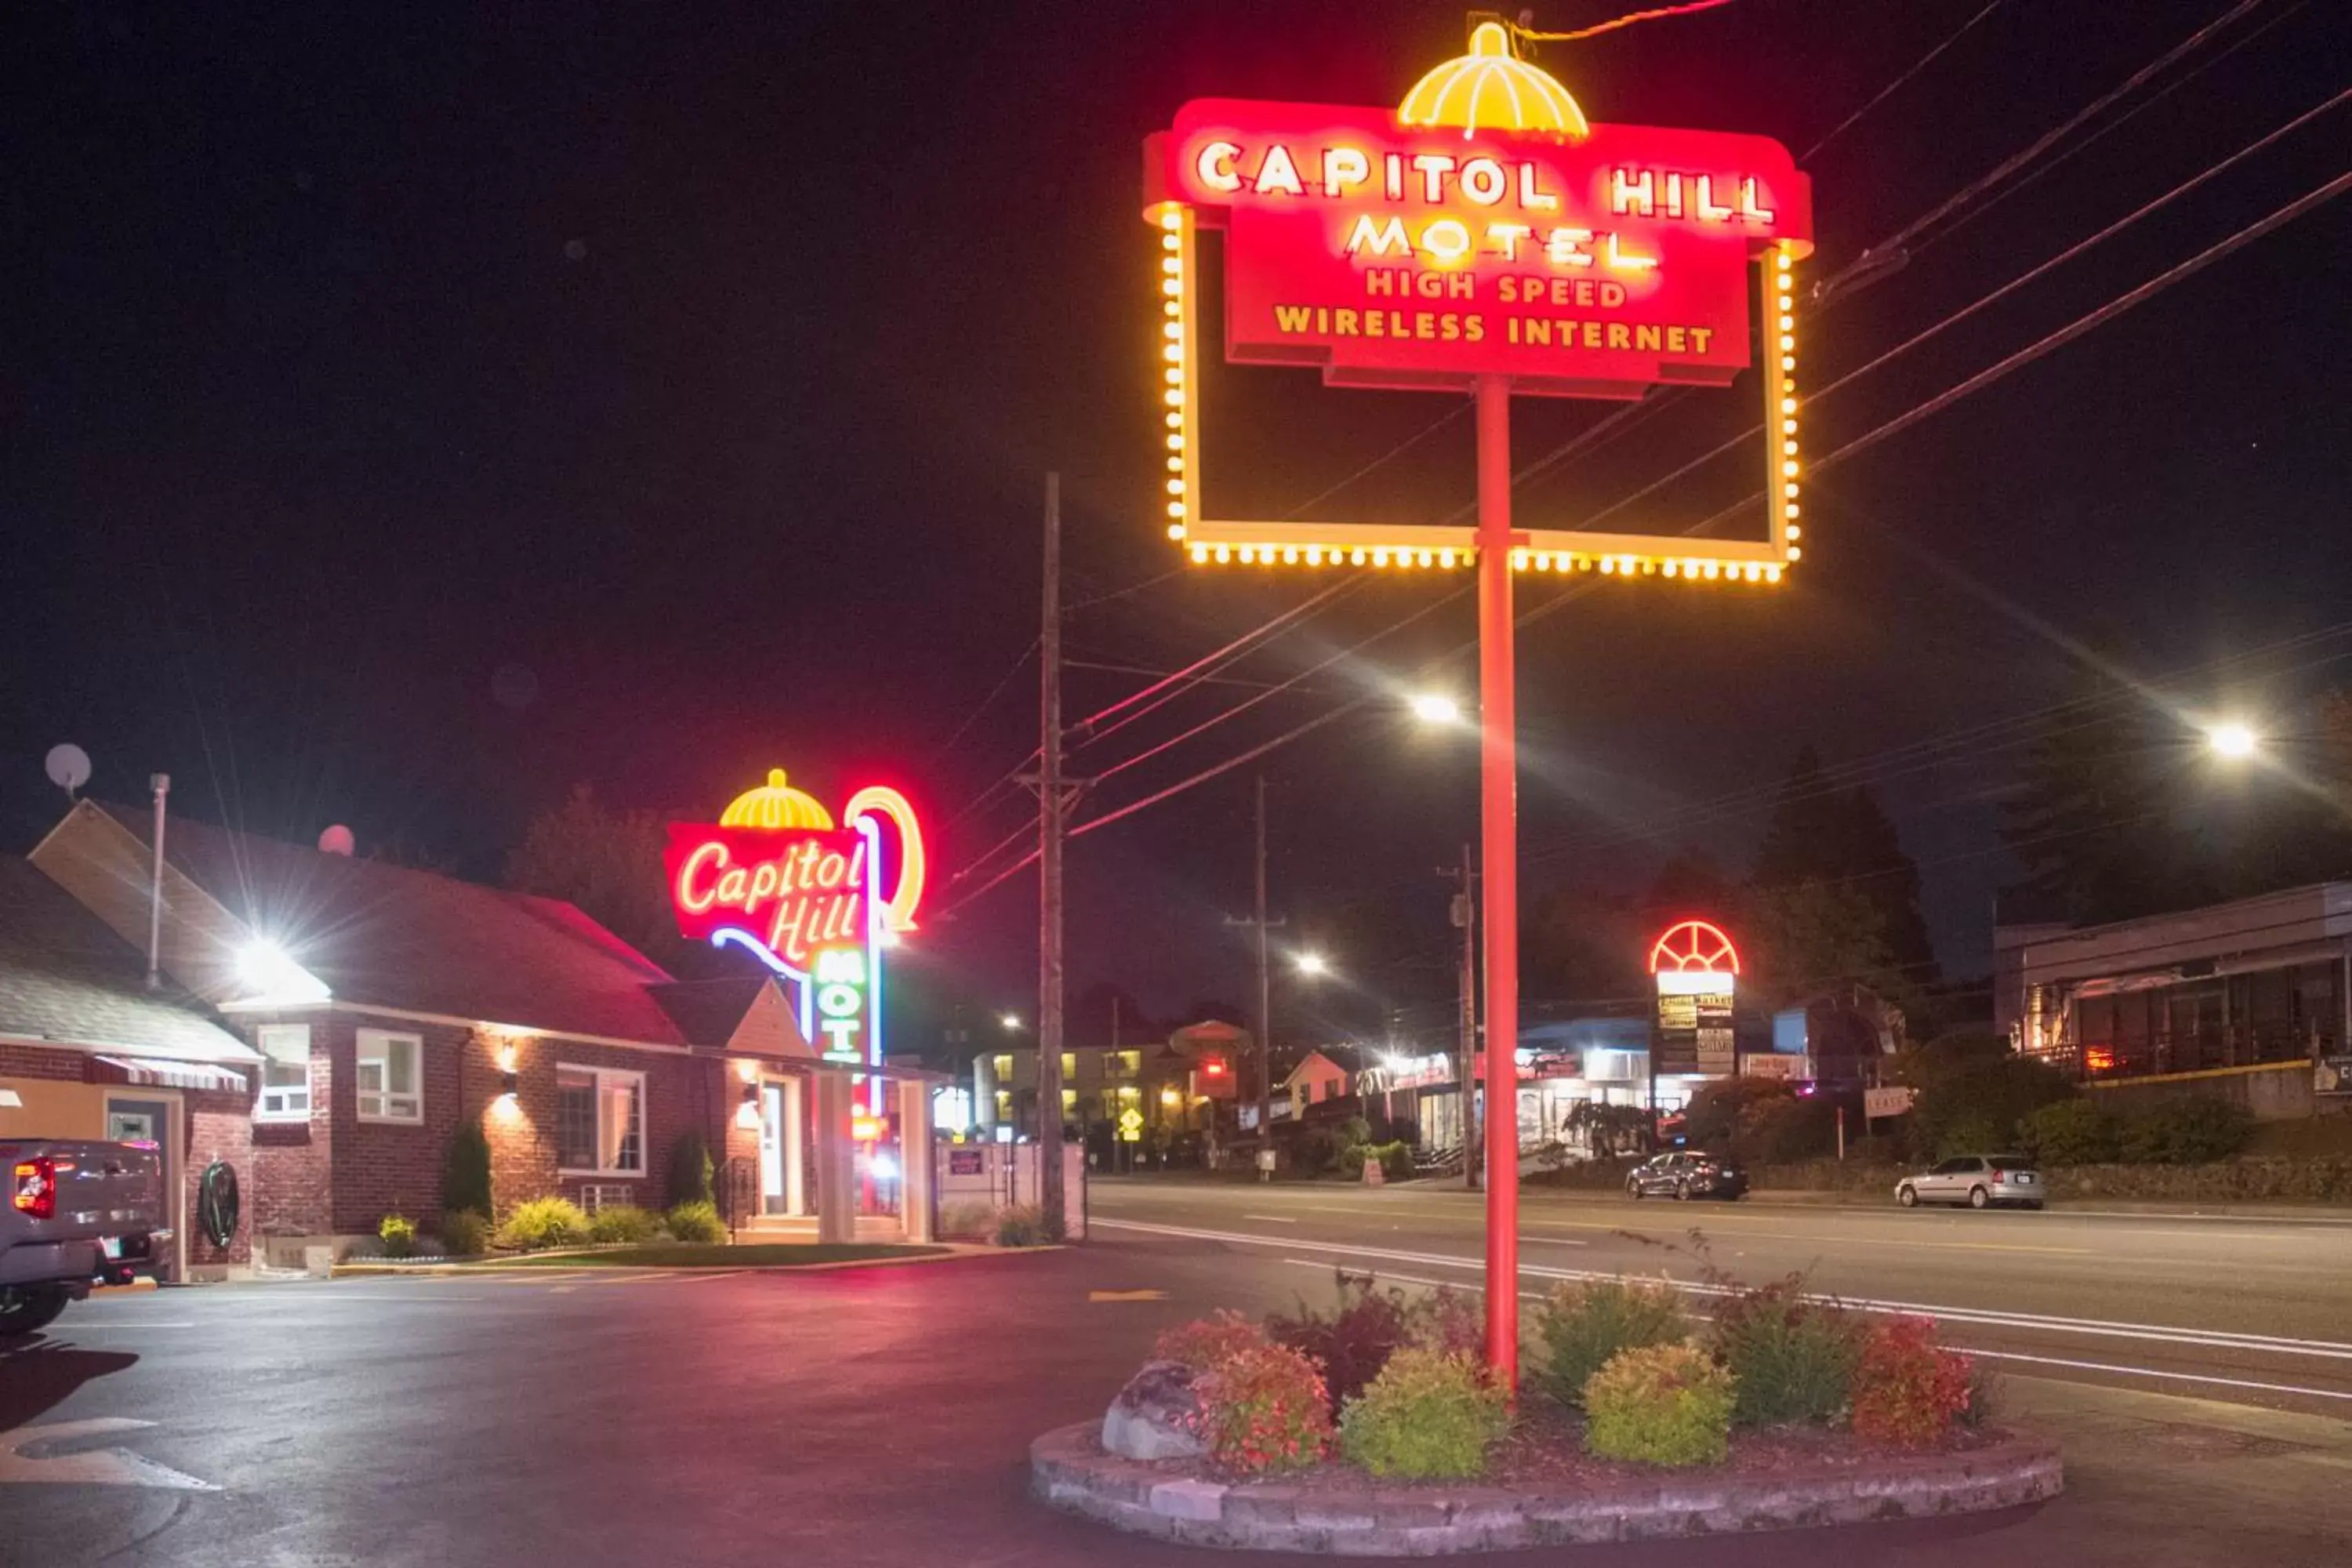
(396,1108)
(645,1117)
(269,1102)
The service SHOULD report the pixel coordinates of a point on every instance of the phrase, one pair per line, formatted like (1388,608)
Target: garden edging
(1070,1471)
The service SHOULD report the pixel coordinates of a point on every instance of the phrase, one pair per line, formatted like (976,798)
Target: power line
(2146,209)
(1891,87)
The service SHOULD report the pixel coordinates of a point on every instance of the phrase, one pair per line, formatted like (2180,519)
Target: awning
(169,1074)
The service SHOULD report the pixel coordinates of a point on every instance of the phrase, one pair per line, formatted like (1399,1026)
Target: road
(882,1416)
(2253,1309)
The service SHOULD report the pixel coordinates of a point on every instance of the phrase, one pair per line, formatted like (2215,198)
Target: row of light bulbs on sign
(1171,289)
(1562,560)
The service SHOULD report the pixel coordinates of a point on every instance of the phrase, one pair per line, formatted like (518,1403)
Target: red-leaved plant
(1264,1408)
(1205,1341)
(1908,1389)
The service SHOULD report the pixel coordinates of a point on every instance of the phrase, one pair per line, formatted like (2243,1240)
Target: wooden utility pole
(1052,806)
(1264,997)
(1465,917)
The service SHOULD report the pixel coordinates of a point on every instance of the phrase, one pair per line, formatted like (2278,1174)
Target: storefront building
(2255,990)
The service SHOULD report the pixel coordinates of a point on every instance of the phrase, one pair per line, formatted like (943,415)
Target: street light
(1310,964)
(1010,1021)
(2234,742)
(1435,708)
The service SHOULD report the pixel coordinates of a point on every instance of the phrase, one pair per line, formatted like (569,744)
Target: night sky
(409,413)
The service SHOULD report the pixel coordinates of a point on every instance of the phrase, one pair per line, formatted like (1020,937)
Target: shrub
(1717,1108)
(696,1222)
(465,1172)
(622,1222)
(1973,1091)
(2196,1131)
(1793,1360)
(1364,1328)
(969,1219)
(1584,1323)
(465,1234)
(544,1222)
(1664,1405)
(1779,1131)
(1907,1390)
(1021,1225)
(690,1171)
(398,1236)
(1449,1321)
(1984,1398)
(1427,1416)
(1264,1409)
(1205,1341)
(2073,1133)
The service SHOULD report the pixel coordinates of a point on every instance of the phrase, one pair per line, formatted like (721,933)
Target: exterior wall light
(747,1113)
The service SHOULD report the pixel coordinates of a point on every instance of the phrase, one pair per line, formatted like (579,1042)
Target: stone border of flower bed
(1069,1470)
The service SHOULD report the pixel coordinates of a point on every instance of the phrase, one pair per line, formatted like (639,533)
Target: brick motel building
(332,1022)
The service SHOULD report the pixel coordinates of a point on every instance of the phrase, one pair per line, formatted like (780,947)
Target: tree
(1820,832)
(1580,946)
(609,863)
(1803,938)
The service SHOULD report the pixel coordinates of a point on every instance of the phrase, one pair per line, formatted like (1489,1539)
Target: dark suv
(1690,1173)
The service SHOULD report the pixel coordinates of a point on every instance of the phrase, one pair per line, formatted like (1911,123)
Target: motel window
(1128,1091)
(1131,1063)
(1069,1064)
(284,1072)
(1003,1103)
(391,1076)
(1002,1063)
(600,1119)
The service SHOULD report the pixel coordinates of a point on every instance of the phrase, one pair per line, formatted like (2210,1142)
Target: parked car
(1979,1181)
(78,1214)
(1686,1174)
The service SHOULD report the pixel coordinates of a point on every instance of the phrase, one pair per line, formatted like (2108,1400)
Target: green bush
(2196,1131)
(465,1172)
(690,1170)
(1395,1160)
(1717,1108)
(1973,1093)
(1021,1225)
(1447,1320)
(543,1223)
(1584,1323)
(967,1220)
(696,1222)
(623,1222)
(1264,1409)
(1427,1416)
(2073,1133)
(398,1236)
(1793,1360)
(465,1234)
(1663,1405)
(1205,1341)
(1778,1131)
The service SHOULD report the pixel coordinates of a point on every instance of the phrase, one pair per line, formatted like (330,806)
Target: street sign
(1878,1102)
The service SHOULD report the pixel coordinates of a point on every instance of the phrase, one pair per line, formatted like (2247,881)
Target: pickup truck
(78,1214)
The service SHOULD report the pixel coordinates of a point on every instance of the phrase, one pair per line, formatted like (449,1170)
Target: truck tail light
(35,1192)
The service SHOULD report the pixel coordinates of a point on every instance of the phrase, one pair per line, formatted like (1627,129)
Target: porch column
(917,1160)
(837,1159)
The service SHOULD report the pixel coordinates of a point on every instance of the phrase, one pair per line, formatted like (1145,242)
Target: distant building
(2248,998)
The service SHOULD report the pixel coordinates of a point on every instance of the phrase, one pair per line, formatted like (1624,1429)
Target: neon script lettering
(816,892)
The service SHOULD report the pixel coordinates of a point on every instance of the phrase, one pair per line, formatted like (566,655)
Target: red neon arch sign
(1697,945)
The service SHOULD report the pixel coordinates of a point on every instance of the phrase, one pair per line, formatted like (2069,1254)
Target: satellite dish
(336,840)
(69,767)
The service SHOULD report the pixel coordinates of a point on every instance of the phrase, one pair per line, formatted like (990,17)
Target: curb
(138,1286)
(1070,1472)
(954,1254)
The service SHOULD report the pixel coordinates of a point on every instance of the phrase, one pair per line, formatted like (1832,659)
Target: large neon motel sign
(777,876)
(1482,228)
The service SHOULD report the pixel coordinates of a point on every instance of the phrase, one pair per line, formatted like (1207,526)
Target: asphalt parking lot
(871,1415)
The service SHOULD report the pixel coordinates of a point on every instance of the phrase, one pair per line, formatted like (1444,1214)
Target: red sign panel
(1418,256)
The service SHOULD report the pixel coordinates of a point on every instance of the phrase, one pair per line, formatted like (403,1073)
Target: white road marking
(67,1331)
(1983,1317)
(2152,1371)
(92,1466)
(1273,1218)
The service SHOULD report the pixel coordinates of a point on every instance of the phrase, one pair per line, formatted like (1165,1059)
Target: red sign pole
(1498,807)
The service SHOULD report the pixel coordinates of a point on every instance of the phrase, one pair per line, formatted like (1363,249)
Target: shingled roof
(390,936)
(66,977)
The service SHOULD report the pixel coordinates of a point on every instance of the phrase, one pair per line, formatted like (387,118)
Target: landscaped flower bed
(1310,1429)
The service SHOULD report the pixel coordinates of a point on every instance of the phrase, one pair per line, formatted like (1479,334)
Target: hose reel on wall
(218,1203)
